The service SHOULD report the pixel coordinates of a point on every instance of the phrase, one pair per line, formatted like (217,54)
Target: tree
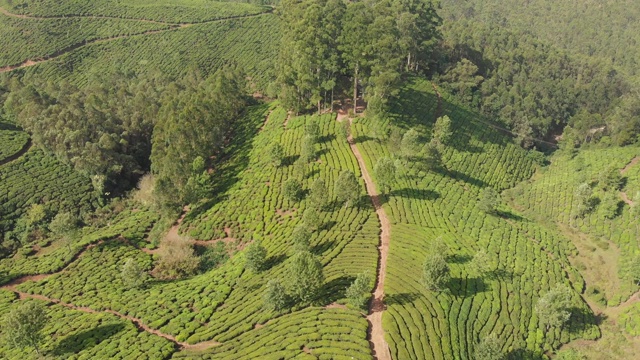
(360,290)
(481,263)
(198,184)
(442,130)
(36,215)
(411,145)
(347,188)
(489,349)
(292,190)
(300,238)
(610,179)
(23,325)
(394,141)
(435,272)
(319,194)
(312,130)
(132,275)
(489,199)
(311,218)
(345,129)
(305,276)
(610,205)
(176,259)
(65,226)
(275,296)
(432,157)
(308,152)
(255,257)
(276,154)
(553,307)
(385,171)
(463,79)
(583,195)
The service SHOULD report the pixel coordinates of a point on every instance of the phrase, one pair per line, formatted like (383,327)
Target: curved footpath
(379,345)
(68,49)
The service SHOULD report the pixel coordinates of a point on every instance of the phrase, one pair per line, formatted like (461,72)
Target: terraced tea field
(606,245)
(426,207)
(75,40)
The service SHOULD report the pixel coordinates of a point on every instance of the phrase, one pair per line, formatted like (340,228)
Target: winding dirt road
(379,345)
(13,287)
(70,48)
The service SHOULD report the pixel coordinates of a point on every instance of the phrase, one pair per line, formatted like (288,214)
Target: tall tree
(435,272)
(305,276)
(553,307)
(23,325)
(347,188)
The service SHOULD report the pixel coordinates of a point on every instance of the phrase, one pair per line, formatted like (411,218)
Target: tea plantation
(608,228)
(428,207)
(181,11)
(509,225)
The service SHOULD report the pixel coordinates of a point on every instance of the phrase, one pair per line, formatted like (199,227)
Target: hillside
(317,179)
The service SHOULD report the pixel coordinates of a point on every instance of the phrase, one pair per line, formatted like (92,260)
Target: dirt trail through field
(13,287)
(68,49)
(379,346)
(631,163)
(6,12)
(623,171)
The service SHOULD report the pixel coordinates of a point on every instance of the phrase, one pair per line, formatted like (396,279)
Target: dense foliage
(371,41)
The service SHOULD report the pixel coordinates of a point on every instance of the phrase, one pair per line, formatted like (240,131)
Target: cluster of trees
(533,87)
(371,41)
(119,127)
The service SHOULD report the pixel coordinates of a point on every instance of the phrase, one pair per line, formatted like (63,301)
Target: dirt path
(68,49)
(6,12)
(13,287)
(375,332)
(17,155)
(631,163)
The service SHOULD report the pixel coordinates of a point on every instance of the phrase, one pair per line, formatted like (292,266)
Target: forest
(319,179)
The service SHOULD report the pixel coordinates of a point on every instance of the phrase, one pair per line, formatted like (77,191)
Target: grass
(600,241)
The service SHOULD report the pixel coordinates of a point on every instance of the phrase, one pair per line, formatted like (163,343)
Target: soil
(379,346)
(631,163)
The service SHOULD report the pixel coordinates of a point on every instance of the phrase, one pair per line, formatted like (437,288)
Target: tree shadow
(465,287)
(273,261)
(328,225)
(582,319)
(9,126)
(500,274)
(334,290)
(459,259)
(362,138)
(86,339)
(509,215)
(326,138)
(400,299)
(525,354)
(289,160)
(455,174)
(321,152)
(318,249)
(409,193)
